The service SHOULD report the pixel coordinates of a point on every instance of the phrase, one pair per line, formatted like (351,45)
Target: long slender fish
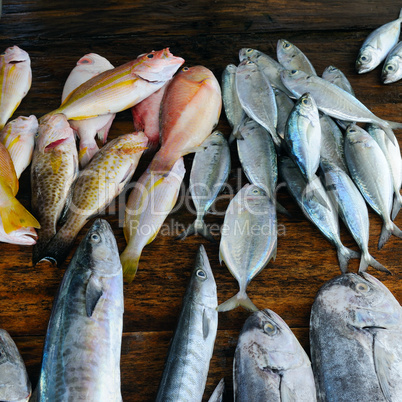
(103,179)
(15,81)
(209,172)
(324,217)
(356,341)
(81,356)
(292,58)
(148,205)
(370,171)
(190,351)
(14,382)
(248,241)
(333,100)
(269,362)
(53,172)
(392,68)
(377,45)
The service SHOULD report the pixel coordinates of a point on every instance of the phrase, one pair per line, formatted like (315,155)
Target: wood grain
(56,34)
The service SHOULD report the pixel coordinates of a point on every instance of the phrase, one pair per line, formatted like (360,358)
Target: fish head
(250,199)
(53,131)
(294,79)
(270,342)
(231,68)
(284,49)
(247,53)
(366,61)
(357,135)
(308,107)
(391,71)
(94,63)
(156,66)
(15,385)
(331,73)
(14,55)
(247,67)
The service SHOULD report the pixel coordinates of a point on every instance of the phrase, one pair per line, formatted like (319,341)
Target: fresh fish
(351,208)
(370,171)
(292,58)
(217,395)
(190,351)
(148,205)
(284,106)
(14,382)
(356,340)
(303,136)
(15,79)
(146,117)
(81,356)
(53,172)
(333,100)
(88,67)
(267,65)
(190,110)
(103,179)
(377,45)
(324,217)
(337,77)
(233,109)
(332,142)
(122,87)
(257,97)
(13,214)
(248,241)
(18,136)
(392,68)
(392,153)
(269,362)
(209,172)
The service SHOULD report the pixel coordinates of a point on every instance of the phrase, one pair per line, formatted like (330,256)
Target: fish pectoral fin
(93,293)
(206,322)
(287,394)
(383,362)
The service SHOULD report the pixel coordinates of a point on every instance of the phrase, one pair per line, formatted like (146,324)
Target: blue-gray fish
(377,45)
(292,58)
(332,100)
(351,208)
(284,106)
(209,172)
(337,77)
(324,217)
(248,241)
(81,356)
(356,341)
(217,395)
(190,351)
(370,171)
(392,68)
(269,362)
(14,382)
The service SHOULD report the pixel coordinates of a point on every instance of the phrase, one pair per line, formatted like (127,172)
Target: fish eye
(270,328)
(249,62)
(185,69)
(287,45)
(362,287)
(249,50)
(150,56)
(364,58)
(293,72)
(256,191)
(201,274)
(95,238)
(306,101)
(390,68)
(37,135)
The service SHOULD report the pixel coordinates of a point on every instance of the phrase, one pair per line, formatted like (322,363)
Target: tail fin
(310,192)
(367,259)
(40,246)
(344,255)
(87,151)
(129,264)
(14,216)
(387,230)
(282,210)
(197,227)
(392,125)
(396,206)
(239,299)
(104,131)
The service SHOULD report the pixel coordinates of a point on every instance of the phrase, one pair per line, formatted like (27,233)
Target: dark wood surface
(57,33)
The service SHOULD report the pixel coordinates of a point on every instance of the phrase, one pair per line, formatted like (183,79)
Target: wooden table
(56,34)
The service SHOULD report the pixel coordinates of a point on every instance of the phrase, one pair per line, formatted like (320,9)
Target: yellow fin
(14,216)
(56,163)
(130,266)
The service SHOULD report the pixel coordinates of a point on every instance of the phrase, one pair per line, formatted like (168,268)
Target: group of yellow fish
(70,186)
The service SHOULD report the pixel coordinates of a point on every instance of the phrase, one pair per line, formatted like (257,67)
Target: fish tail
(104,131)
(129,262)
(282,210)
(152,145)
(87,151)
(388,228)
(367,259)
(310,193)
(15,216)
(40,246)
(391,125)
(197,227)
(344,255)
(396,206)
(239,299)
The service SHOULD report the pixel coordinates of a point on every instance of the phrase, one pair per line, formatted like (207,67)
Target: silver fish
(14,382)
(333,100)
(269,362)
(257,97)
(356,341)
(337,77)
(369,169)
(292,58)
(392,153)
(267,65)
(81,356)
(186,368)
(217,395)
(233,109)
(351,208)
(311,202)
(377,45)
(284,106)
(209,172)
(392,68)
(248,241)
(332,142)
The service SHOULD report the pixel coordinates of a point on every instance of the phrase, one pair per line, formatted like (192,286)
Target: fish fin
(287,394)
(104,131)
(87,151)
(239,299)
(197,227)
(310,193)
(386,233)
(367,259)
(130,265)
(15,216)
(217,395)
(396,207)
(344,255)
(206,321)
(383,362)
(400,14)
(93,293)
(282,210)
(392,125)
